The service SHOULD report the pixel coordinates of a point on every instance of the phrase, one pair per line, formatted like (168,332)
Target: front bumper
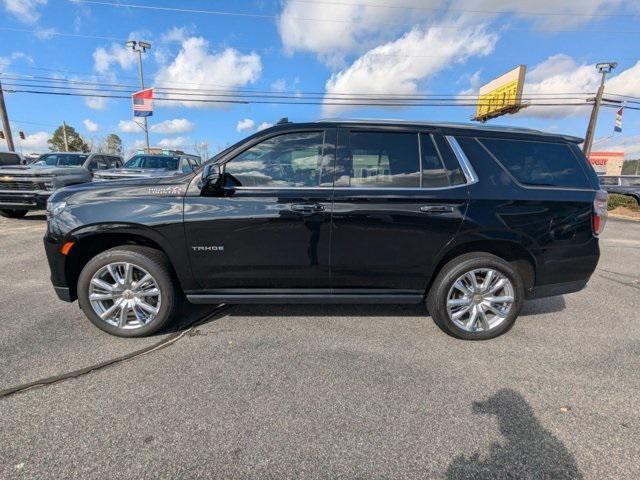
(24,200)
(58,264)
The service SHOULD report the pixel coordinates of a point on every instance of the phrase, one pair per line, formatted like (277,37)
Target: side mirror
(211,177)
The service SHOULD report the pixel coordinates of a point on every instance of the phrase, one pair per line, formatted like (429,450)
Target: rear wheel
(128,291)
(10,213)
(476,296)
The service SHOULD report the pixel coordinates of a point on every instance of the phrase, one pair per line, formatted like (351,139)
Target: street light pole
(6,126)
(603,68)
(140,47)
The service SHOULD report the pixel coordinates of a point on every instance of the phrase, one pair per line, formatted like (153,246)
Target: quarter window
(288,160)
(380,159)
(434,174)
(538,163)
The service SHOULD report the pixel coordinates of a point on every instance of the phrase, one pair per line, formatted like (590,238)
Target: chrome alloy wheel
(480,300)
(124,295)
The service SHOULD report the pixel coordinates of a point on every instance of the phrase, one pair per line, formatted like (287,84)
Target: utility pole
(140,47)
(64,136)
(603,68)
(5,122)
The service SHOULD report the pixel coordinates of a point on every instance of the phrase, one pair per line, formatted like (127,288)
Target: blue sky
(325,46)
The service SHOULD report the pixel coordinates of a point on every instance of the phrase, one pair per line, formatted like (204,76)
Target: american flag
(618,125)
(143,103)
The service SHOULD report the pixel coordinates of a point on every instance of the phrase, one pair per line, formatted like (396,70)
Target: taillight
(599,218)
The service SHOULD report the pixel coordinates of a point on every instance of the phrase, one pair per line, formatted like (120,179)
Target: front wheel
(10,213)
(476,296)
(128,291)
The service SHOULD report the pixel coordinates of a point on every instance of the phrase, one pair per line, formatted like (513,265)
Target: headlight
(55,208)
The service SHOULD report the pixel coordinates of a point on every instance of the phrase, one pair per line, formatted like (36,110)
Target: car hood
(136,173)
(123,188)
(38,170)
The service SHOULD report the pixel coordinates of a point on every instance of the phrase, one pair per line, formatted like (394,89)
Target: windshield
(153,161)
(63,159)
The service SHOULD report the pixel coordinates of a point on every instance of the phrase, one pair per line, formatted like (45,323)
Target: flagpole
(140,47)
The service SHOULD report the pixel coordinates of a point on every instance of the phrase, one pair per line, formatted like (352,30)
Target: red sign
(601,158)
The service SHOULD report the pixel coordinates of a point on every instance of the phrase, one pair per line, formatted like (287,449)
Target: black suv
(471,220)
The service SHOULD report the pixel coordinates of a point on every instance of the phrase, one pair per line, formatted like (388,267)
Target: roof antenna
(283,120)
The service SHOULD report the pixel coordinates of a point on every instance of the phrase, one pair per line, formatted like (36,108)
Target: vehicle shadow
(543,305)
(34,217)
(528,449)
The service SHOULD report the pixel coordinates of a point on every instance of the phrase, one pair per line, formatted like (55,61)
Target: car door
(400,197)
(269,228)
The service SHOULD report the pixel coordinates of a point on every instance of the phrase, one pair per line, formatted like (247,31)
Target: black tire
(10,213)
(437,296)
(151,260)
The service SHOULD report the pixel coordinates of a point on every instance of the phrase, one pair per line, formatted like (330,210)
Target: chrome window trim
(357,189)
(467,168)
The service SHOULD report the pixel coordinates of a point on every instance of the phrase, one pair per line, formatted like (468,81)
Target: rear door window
(382,160)
(538,163)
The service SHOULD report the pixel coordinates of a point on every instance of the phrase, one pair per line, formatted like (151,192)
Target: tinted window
(630,182)
(608,180)
(433,172)
(98,162)
(538,163)
(153,161)
(9,158)
(383,160)
(289,160)
(456,177)
(186,166)
(63,159)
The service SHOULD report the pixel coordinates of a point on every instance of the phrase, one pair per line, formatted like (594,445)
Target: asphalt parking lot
(321,391)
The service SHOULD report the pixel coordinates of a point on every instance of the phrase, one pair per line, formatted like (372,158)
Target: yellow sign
(501,95)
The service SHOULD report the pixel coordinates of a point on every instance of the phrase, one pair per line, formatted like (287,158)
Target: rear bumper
(24,200)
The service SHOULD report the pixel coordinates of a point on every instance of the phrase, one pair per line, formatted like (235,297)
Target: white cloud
(104,58)
(91,126)
(129,126)
(562,74)
(9,59)
(566,14)
(399,66)
(245,125)
(35,143)
(24,10)
(196,67)
(177,125)
(630,145)
(347,28)
(96,103)
(264,125)
(174,143)
(45,33)
(177,34)
(279,85)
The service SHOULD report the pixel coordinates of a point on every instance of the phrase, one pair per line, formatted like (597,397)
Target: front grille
(22,185)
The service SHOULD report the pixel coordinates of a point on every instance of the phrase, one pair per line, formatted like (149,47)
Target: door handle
(307,208)
(436,209)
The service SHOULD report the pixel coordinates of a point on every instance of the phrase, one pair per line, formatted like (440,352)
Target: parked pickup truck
(27,187)
(153,165)
(623,185)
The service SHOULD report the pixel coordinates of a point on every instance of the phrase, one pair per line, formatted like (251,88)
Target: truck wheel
(13,213)
(128,291)
(476,296)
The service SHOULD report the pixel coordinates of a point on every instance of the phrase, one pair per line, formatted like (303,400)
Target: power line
(462,10)
(439,103)
(309,19)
